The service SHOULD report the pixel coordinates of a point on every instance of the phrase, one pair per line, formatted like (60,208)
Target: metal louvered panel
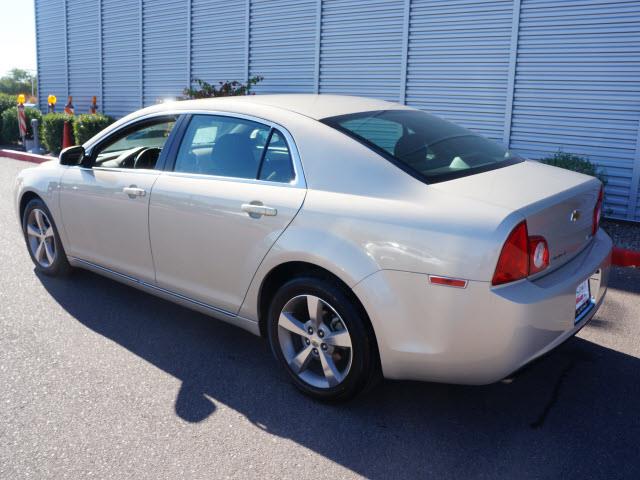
(458,60)
(83,25)
(361,48)
(577,87)
(218,39)
(165,50)
(52,70)
(120,57)
(282,45)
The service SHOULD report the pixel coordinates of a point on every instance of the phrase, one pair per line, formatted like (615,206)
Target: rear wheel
(321,339)
(43,240)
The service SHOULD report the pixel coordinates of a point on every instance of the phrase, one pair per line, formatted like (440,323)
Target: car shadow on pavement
(574,413)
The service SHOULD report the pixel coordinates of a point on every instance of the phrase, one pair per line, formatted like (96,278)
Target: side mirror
(72,155)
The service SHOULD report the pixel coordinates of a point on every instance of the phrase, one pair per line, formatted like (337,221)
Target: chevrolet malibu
(358,236)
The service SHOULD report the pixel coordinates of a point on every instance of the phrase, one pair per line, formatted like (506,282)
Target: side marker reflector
(447,282)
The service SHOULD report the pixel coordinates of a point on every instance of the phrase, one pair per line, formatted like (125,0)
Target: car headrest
(411,148)
(232,156)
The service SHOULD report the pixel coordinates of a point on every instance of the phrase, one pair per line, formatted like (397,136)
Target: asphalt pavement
(99,380)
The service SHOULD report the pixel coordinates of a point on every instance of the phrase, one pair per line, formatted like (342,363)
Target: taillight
(513,263)
(597,212)
(521,256)
(538,254)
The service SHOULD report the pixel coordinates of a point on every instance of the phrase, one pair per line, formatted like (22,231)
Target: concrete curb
(621,257)
(25,156)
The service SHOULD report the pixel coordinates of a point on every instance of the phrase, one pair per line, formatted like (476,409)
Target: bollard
(67,140)
(36,148)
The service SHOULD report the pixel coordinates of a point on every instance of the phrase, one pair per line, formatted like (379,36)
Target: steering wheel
(126,159)
(147,158)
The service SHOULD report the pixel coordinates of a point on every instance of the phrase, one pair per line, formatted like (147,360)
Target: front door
(232,192)
(105,204)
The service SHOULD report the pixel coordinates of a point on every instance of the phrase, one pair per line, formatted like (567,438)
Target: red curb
(24,156)
(625,258)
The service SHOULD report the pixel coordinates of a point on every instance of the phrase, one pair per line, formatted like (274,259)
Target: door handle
(134,191)
(257,210)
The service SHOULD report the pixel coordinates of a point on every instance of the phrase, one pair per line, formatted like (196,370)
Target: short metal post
(36,137)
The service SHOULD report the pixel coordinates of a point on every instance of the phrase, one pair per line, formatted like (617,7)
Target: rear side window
(222,146)
(277,166)
(425,146)
(234,147)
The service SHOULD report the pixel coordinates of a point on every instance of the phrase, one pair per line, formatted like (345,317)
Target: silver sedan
(360,237)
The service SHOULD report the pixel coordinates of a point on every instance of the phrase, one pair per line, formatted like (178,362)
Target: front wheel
(321,339)
(43,240)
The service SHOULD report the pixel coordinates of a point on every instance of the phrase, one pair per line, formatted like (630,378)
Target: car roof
(316,106)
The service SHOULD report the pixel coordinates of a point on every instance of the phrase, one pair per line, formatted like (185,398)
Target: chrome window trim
(118,169)
(299,180)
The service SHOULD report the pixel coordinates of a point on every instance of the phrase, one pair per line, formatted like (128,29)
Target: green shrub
(576,163)
(87,125)
(10,130)
(7,101)
(51,132)
(224,89)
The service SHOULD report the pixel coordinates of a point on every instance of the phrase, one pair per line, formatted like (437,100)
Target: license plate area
(583,299)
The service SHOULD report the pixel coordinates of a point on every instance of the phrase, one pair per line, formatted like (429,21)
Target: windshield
(425,146)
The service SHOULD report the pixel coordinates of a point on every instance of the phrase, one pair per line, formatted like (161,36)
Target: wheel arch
(25,198)
(289,270)
(282,273)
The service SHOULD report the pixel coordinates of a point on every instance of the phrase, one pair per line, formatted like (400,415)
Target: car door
(235,185)
(105,203)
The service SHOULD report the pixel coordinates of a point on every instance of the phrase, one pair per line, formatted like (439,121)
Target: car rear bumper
(478,334)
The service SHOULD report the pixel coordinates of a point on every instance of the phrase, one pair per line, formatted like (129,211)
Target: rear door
(105,204)
(234,186)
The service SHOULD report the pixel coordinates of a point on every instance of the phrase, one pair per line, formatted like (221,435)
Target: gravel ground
(101,380)
(623,234)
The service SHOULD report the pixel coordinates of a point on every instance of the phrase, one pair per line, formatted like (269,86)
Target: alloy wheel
(315,341)
(41,238)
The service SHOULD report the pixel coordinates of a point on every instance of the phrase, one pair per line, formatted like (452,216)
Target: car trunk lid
(557,204)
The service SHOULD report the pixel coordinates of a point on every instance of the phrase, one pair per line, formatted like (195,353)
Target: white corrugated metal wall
(282,41)
(83,22)
(538,75)
(218,37)
(165,49)
(51,48)
(577,87)
(361,47)
(121,69)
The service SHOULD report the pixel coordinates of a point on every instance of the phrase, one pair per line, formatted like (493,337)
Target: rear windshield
(425,146)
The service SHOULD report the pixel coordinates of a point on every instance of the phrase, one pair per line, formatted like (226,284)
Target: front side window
(424,145)
(233,147)
(138,146)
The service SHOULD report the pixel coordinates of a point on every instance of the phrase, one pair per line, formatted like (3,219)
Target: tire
(331,371)
(43,240)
